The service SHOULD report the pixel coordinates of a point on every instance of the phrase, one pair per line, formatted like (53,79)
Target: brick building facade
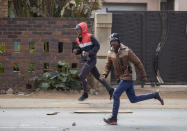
(35,43)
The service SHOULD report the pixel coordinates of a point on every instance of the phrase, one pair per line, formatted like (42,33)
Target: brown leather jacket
(124,63)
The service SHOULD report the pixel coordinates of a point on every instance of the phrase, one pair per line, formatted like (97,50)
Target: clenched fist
(102,77)
(74,51)
(84,53)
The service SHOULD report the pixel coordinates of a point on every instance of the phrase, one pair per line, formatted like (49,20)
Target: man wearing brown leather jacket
(124,61)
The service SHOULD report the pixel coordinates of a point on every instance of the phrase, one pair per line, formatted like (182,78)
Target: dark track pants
(91,67)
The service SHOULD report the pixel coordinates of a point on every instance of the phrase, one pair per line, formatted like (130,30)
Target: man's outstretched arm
(107,68)
(136,61)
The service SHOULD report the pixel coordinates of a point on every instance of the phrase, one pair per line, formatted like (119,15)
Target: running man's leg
(133,98)
(123,85)
(83,74)
(96,74)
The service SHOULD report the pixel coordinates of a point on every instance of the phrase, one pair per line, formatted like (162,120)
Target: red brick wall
(3,8)
(38,30)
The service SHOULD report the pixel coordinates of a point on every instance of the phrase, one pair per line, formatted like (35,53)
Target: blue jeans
(128,87)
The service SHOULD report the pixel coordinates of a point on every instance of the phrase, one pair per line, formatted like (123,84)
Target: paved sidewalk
(139,120)
(90,103)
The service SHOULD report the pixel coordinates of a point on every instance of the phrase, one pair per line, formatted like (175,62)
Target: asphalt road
(140,120)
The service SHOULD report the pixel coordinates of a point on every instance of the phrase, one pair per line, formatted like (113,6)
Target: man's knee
(82,77)
(116,94)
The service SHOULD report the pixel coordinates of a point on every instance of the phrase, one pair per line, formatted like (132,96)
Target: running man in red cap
(88,47)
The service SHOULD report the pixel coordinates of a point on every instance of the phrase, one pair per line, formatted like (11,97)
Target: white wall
(180,5)
(125,7)
(152,5)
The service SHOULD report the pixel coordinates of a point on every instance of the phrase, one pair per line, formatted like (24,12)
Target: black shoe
(110,121)
(83,97)
(158,97)
(111,93)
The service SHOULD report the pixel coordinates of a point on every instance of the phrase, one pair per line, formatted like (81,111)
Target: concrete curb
(91,103)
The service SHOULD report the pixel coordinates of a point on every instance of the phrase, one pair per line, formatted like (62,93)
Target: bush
(61,79)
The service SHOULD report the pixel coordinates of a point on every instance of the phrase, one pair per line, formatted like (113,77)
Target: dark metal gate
(159,39)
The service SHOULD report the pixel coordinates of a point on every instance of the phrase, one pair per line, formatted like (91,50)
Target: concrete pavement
(90,103)
(29,114)
(139,120)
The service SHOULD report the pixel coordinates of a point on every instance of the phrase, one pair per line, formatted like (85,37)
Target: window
(31,67)
(2,69)
(17,47)
(74,65)
(32,47)
(2,48)
(167,5)
(46,67)
(60,47)
(16,67)
(46,47)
